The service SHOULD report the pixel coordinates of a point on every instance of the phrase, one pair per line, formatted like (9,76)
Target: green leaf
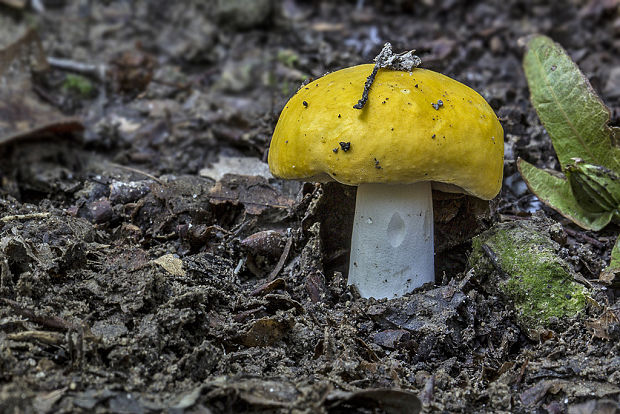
(556,193)
(595,188)
(575,117)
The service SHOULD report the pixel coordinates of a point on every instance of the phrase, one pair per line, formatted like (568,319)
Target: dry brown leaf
(265,332)
(22,113)
(171,264)
(600,326)
(253,192)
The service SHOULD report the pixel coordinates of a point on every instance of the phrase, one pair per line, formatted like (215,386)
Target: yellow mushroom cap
(400,136)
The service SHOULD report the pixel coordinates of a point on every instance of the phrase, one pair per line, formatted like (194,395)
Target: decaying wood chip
(52,338)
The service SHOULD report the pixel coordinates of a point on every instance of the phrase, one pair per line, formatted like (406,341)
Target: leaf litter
(130,283)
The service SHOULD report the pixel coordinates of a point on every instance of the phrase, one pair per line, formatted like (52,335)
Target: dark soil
(136,276)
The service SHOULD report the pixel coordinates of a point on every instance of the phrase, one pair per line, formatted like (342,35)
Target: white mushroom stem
(392,249)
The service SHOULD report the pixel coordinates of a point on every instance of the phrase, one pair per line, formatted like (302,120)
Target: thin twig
(137,171)
(29,216)
(369,81)
(493,259)
(405,62)
(87,69)
(52,338)
(584,237)
(252,203)
(282,261)
(55,322)
(522,372)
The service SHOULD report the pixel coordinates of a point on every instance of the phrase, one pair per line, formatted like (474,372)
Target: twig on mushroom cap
(387,59)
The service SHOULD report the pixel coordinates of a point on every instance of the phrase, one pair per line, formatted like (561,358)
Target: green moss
(534,277)
(78,84)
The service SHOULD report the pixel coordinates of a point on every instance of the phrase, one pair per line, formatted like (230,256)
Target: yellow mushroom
(417,128)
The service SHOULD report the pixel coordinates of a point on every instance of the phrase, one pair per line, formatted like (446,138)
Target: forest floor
(150,263)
